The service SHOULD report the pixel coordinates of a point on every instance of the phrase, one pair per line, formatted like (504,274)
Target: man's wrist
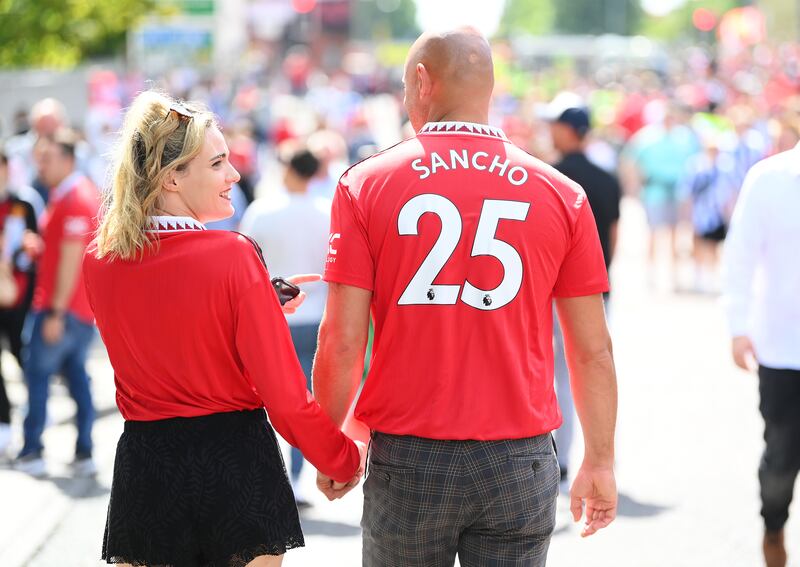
(598,461)
(55,313)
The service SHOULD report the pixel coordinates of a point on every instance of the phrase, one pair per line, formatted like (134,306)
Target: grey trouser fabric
(491,502)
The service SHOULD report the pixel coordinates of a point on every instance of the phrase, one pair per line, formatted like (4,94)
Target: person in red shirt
(17,215)
(457,242)
(199,346)
(60,327)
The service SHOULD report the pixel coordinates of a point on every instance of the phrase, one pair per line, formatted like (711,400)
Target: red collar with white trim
(173,224)
(461,128)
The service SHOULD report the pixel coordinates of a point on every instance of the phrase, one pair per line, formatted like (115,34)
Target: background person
(17,215)
(570,124)
(274,222)
(60,329)
(764,321)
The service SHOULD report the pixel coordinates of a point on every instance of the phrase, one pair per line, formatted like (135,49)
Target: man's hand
(334,490)
(291,306)
(596,487)
(53,329)
(32,244)
(744,355)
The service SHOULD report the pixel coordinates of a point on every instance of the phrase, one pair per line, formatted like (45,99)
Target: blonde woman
(200,347)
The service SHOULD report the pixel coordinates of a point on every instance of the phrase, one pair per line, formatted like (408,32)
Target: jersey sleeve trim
(349,279)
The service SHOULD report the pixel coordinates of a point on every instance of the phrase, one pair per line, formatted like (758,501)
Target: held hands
(596,487)
(334,490)
(291,306)
(744,355)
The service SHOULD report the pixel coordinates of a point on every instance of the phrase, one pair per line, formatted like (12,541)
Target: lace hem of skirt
(245,556)
(240,559)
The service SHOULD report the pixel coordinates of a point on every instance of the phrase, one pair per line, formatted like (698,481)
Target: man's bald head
(449,70)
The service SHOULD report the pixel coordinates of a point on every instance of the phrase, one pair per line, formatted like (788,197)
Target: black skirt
(202,491)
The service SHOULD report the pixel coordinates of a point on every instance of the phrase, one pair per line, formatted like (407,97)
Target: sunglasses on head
(180,110)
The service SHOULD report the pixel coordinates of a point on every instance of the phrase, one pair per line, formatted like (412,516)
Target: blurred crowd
(679,136)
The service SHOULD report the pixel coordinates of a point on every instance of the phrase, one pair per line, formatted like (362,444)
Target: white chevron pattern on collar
(463,128)
(173,224)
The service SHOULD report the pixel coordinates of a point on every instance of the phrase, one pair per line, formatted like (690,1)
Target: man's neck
(459,115)
(297,188)
(577,150)
(66,176)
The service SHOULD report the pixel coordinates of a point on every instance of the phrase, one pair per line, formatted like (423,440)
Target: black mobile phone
(286,290)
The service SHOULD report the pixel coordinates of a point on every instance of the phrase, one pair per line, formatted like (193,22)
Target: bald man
(457,242)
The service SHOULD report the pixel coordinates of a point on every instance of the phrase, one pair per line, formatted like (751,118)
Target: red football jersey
(463,239)
(71,214)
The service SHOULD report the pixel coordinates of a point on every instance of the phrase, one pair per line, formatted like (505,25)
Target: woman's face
(205,185)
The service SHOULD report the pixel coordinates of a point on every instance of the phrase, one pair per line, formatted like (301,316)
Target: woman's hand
(291,306)
(334,490)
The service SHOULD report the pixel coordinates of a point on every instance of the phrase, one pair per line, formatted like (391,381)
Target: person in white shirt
(293,229)
(761,280)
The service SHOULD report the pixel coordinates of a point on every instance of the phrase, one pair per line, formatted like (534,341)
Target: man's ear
(424,82)
(170,182)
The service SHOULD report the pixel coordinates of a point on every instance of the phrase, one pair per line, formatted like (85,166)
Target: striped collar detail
(463,128)
(173,224)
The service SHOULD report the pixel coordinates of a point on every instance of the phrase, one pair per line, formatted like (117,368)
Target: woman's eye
(216,164)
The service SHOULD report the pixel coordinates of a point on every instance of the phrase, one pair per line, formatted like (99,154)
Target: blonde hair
(156,138)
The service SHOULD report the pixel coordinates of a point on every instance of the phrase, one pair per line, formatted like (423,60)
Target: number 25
(422,291)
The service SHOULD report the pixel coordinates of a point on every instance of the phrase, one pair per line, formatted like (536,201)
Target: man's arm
(339,364)
(69,264)
(612,240)
(741,255)
(339,361)
(594,389)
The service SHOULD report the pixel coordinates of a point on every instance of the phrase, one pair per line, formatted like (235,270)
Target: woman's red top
(194,327)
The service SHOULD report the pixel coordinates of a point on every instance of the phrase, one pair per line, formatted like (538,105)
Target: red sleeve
(583,271)
(265,347)
(349,258)
(78,219)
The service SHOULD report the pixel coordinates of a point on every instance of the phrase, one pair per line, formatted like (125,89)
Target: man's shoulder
(570,191)
(780,164)
(381,163)
(265,206)
(83,196)
(18,201)
(770,177)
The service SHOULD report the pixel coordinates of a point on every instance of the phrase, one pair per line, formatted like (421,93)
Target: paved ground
(689,439)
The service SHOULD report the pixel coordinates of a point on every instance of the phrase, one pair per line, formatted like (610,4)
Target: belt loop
(553,441)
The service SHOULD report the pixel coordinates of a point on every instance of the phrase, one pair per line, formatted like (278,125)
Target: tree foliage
(384,19)
(61,33)
(533,17)
(678,23)
(598,16)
